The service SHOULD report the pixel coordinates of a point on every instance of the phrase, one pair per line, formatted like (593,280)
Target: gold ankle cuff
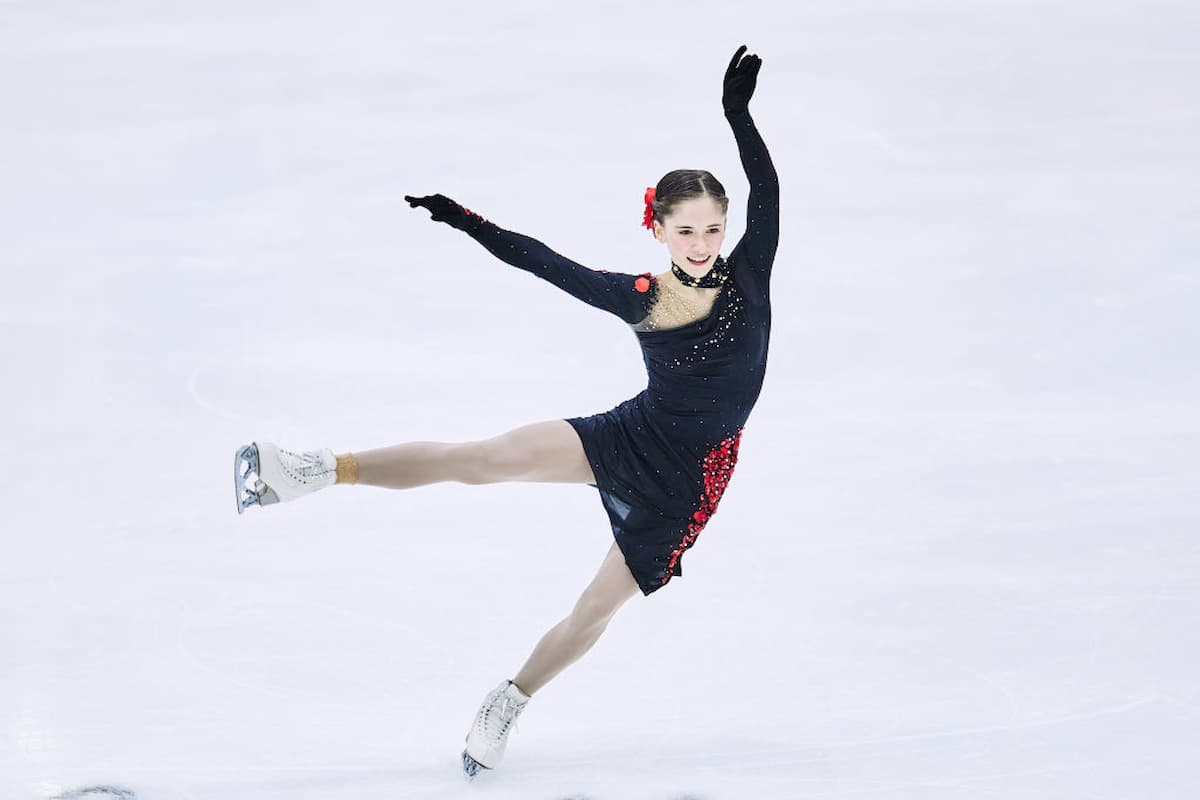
(347,469)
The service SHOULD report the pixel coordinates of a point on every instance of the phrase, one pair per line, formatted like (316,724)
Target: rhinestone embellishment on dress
(718,469)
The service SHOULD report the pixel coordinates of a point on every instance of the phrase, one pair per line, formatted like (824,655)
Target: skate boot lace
(303,466)
(507,711)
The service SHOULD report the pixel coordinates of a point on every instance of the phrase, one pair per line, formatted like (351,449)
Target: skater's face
(694,232)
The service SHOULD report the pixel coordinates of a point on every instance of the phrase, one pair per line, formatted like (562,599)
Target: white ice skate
(279,475)
(489,735)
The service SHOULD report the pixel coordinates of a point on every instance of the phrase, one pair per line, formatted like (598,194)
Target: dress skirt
(658,488)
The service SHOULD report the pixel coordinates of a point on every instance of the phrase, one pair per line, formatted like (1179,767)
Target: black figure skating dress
(663,459)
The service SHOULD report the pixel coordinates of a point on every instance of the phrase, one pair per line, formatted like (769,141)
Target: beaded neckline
(710,280)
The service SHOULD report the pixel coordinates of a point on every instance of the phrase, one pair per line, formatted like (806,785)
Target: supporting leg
(567,641)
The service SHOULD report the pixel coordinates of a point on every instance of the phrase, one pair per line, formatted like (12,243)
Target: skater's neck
(679,287)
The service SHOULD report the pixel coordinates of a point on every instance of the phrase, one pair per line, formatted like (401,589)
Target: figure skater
(660,461)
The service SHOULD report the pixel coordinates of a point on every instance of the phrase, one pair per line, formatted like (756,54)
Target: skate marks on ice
(769,757)
(100,792)
(883,766)
(591,797)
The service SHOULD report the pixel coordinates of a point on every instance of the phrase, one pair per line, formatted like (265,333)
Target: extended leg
(572,637)
(547,452)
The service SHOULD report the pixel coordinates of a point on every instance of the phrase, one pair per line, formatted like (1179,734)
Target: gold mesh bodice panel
(673,309)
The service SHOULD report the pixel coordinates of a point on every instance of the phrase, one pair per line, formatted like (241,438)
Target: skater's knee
(592,612)
(479,463)
(496,460)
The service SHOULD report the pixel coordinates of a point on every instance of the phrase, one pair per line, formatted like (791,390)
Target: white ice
(959,557)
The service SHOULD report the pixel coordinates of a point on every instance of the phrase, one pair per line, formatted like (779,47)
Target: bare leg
(547,452)
(568,640)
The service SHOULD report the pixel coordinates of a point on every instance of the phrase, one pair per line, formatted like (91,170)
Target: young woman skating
(660,460)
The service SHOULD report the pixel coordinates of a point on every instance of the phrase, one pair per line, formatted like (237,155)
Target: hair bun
(648,219)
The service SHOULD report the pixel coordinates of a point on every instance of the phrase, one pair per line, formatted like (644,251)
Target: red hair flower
(648,220)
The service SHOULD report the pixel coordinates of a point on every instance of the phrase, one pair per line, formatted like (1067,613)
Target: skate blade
(245,464)
(470,766)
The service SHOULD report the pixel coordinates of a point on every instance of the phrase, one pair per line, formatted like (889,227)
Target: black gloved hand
(739,81)
(446,210)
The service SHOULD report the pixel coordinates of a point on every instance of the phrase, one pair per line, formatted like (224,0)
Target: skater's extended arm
(616,293)
(761,239)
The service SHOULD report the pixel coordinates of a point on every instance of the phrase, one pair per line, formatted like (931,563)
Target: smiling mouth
(700,262)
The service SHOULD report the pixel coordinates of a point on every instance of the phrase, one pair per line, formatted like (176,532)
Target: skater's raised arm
(627,296)
(761,239)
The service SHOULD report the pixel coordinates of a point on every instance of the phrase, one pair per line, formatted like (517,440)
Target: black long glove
(740,79)
(446,210)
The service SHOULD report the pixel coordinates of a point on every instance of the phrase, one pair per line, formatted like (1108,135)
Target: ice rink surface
(959,557)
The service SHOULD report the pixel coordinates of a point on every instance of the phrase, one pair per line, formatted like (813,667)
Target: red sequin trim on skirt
(718,468)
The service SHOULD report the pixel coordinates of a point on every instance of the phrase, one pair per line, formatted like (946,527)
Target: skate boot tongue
(514,691)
